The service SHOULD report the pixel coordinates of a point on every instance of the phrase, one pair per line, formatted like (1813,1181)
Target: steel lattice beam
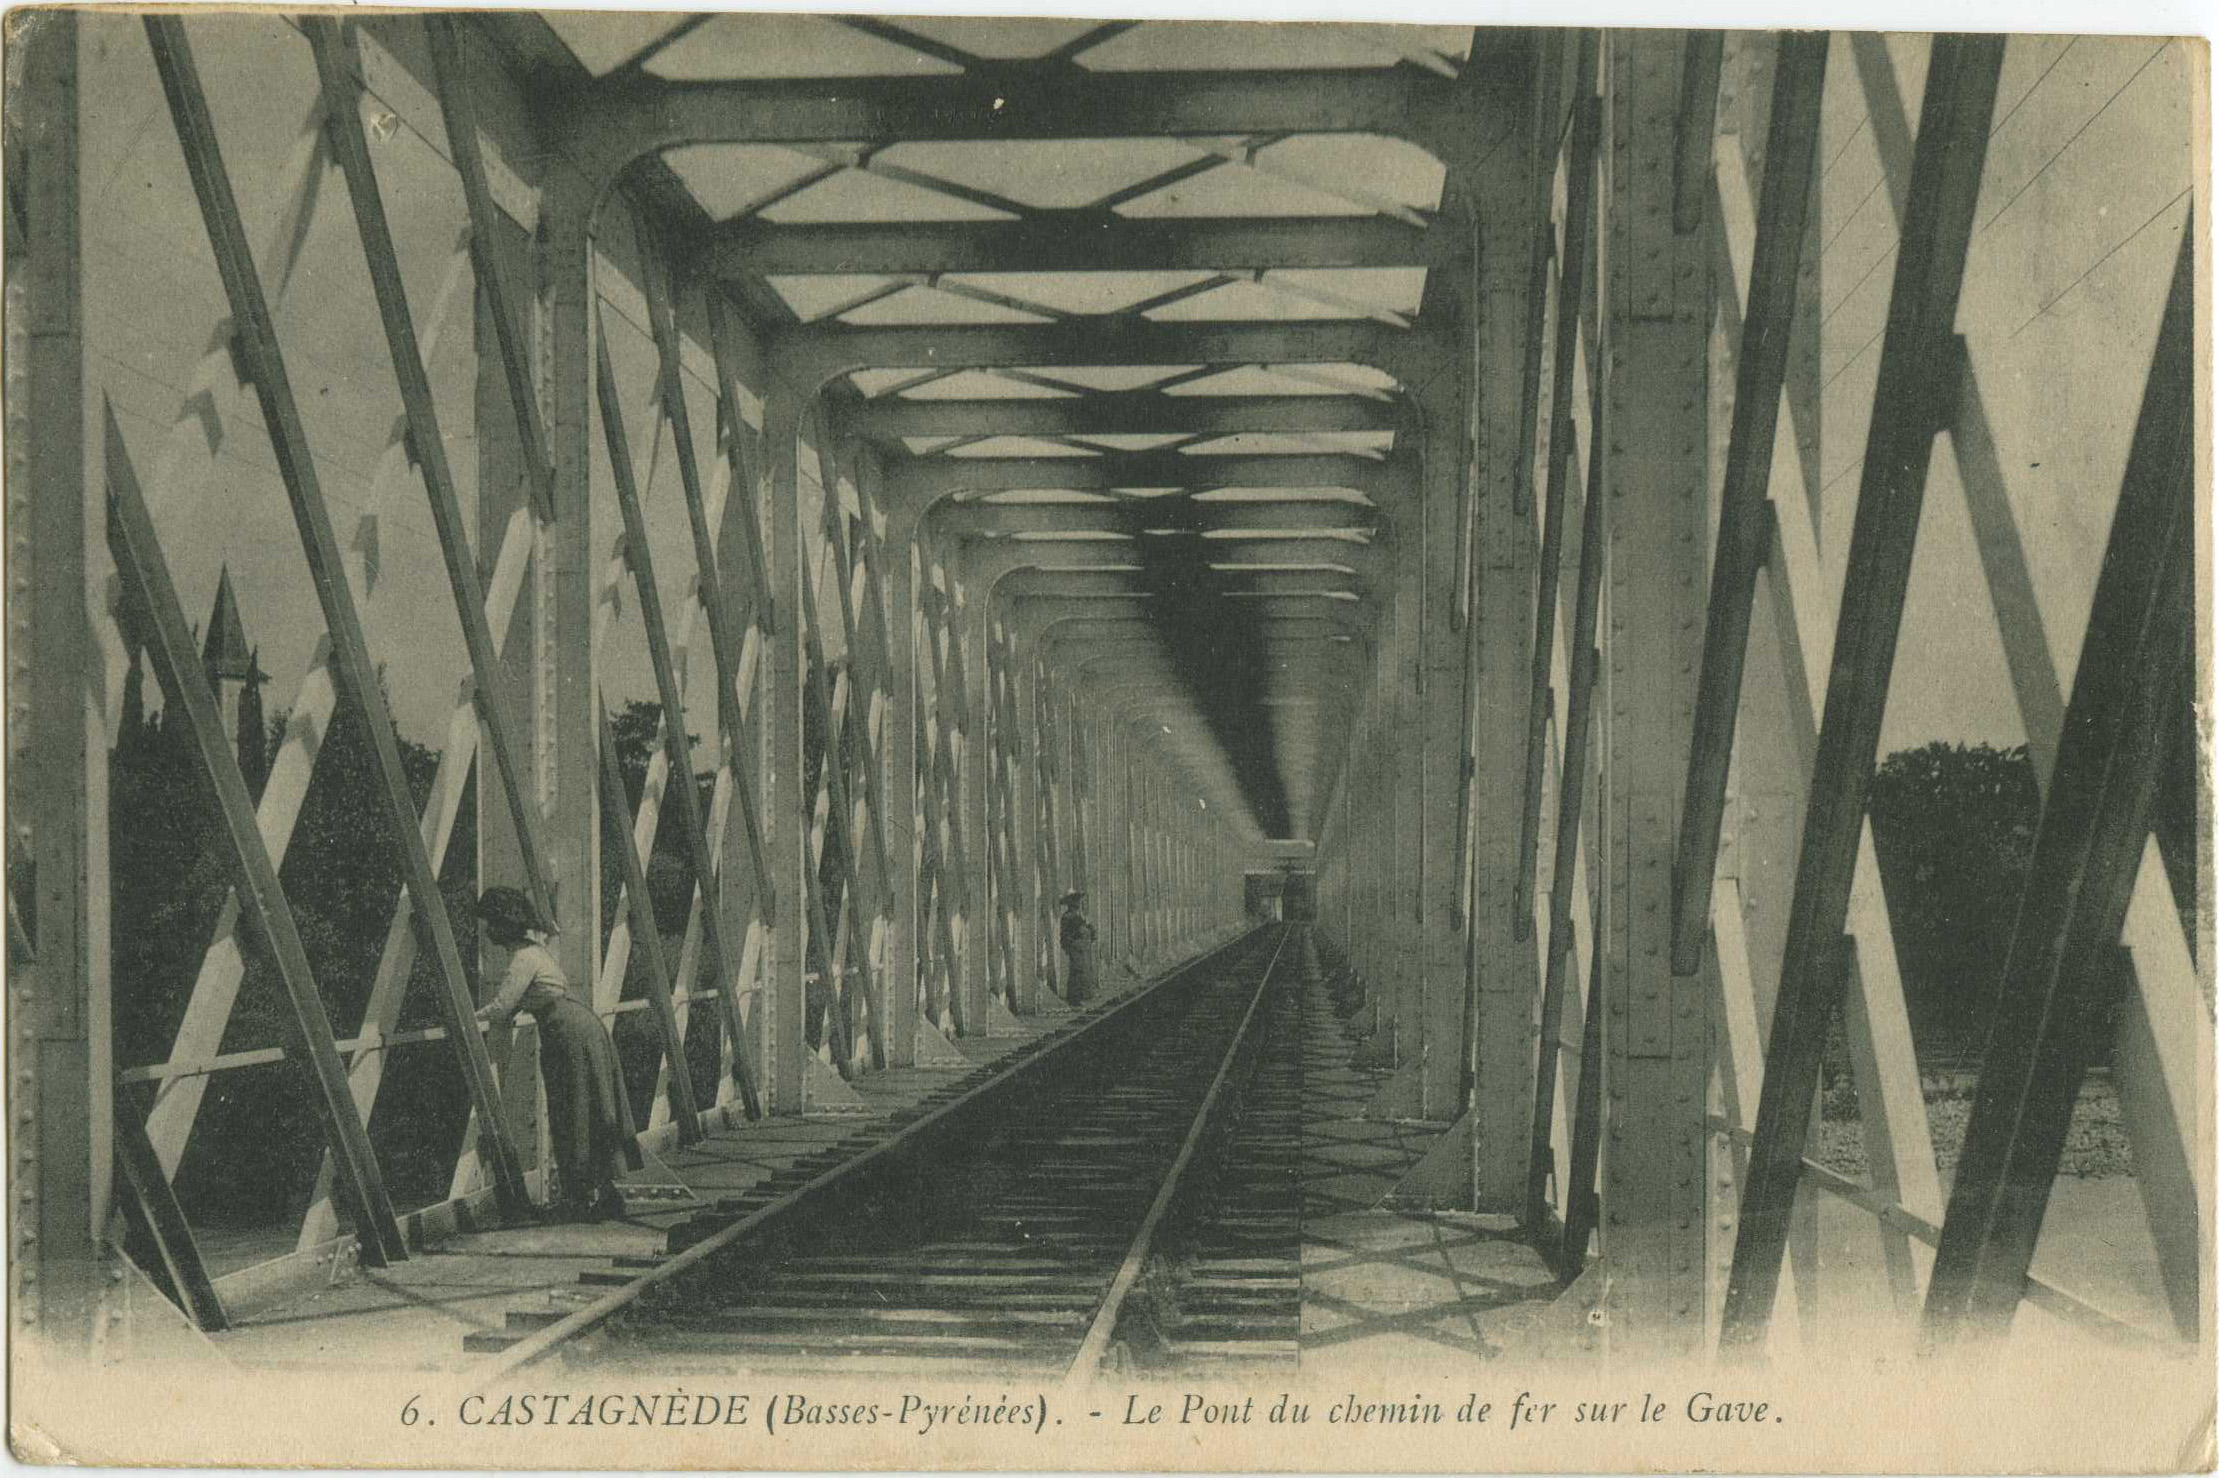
(1071,241)
(971,520)
(1117,585)
(816,353)
(1044,613)
(625,117)
(924,480)
(1124,412)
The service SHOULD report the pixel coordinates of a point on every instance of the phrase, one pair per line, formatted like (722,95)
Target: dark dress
(577,1061)
(1078,948)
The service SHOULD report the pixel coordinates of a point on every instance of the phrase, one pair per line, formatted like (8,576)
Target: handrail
(162,1072)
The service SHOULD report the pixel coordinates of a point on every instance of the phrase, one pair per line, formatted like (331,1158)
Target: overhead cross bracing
(1095,299)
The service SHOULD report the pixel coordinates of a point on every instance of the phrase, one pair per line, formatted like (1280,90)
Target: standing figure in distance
(585,1116)
(1077,937)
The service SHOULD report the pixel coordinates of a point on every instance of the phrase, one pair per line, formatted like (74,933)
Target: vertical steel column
(1572,282)
(887,568)
(784,807)
(970,630)
(1142,763)
(1653,446)
(1084,825)
(1115,809)
(1170,823)
(1019,732)
(942,787)
(1400,985)
(994,861)
(1149,861)
(1444,700)
(744,898)
(1501,983)
(1372,819)
(1049,808)
(60,1092)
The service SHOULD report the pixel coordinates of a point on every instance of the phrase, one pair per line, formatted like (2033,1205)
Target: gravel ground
(2095,1147)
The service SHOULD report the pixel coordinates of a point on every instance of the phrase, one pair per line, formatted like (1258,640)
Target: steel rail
(571,1326)
(1095,1346)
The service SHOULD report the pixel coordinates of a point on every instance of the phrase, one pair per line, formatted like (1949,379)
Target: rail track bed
(1126,1193)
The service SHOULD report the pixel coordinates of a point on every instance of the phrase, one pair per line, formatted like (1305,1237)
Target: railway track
(1123,1193)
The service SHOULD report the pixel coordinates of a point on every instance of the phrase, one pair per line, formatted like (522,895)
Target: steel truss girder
(1124,412)
(1954,122)
(1080,584)
(1042,615)
(1278,645)
(814,354)
(1152,672)
(677,743)
(264,364)
(622,118)
(2061,971)
(921,481)
(975,520)
(139,559)
(1071,241)
(985,563)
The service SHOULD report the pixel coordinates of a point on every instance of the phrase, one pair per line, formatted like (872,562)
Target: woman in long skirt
(585,1115)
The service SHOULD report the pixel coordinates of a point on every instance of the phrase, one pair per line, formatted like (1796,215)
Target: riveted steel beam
(918,481)
(971,520)
(1043,613)
(1124,412)
(1070,241)
(1088,662)
(815,353)
(1280,639)
(625,117)
(1082,583)
(986,562)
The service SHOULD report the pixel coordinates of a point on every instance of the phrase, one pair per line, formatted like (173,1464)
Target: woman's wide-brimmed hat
(504,906)
(1071,897)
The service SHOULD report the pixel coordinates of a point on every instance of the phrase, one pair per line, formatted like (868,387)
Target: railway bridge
(1455,541)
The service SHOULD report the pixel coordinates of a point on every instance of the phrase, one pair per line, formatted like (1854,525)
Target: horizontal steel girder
(1294,669)
(1146,635)
(1042,614)
(814,354)
(1324,587)
(973,520)
(622,118)
(1125,412)
(1073,241)
(918,482)
(986,562)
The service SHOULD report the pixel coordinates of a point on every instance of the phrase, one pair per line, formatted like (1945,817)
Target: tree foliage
(256,1145)
(1954,826)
